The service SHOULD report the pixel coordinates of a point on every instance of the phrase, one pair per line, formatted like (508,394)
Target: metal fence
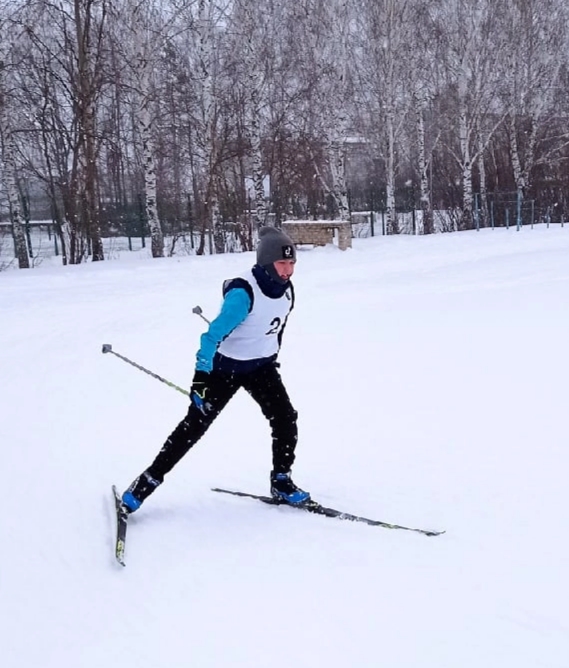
(44,245)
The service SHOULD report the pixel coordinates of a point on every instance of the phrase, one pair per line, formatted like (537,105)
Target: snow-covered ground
(430,374)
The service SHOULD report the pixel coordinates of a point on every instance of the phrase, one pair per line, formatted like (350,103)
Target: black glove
(199,392)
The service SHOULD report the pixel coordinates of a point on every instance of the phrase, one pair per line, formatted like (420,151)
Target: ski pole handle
(107,348)
(198,311)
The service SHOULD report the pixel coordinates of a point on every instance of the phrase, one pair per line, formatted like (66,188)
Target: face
(284,268)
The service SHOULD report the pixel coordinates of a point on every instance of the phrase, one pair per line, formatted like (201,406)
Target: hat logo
(288,252)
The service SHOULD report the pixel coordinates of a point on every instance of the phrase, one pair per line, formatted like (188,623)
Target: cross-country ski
(121,526)
(318,509)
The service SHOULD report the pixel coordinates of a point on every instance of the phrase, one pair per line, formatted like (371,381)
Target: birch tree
(472,32)
(52,159)
(328,76)
(536,31)
(253,32)
(337,56)
(9,161)
(143,22)
(63,79)
(425,84)
(209,113)
(205,52)
(423,164)
(293,136)
(388,30)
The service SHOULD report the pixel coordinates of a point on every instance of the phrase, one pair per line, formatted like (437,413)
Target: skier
(240,349)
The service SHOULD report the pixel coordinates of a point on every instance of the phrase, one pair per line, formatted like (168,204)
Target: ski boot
(284,490)
(139,490)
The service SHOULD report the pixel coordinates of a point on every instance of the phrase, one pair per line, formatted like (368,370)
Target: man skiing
(239,350)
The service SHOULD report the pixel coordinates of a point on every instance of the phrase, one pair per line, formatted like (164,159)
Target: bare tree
(335,53)
(425,81)
(326,69)
(62,78)
(210,129)
(9,160)
(145,25)
(89,18)
(389,31)
(536,31)
(471,29)
(252,30)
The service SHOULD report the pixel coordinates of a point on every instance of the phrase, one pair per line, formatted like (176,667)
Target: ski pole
(198,311)
(107,348)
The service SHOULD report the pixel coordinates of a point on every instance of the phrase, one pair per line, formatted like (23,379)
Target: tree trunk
(208,121)
(482,212)
(339,191)
(391,214)
(10,177)
(86,90)
(216,224)
(14,202)
(143,67)
(425,197)
(255,139)
(514,151)
(149,168)
(466,161)
(90,187)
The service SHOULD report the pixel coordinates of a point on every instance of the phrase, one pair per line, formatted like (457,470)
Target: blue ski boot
(285,491)
(138,491)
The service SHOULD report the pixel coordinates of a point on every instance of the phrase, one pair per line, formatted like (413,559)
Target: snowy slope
(430,374)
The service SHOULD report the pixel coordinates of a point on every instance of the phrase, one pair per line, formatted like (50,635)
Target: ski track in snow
(430,375)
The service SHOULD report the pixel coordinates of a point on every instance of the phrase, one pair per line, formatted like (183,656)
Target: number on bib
(275,326)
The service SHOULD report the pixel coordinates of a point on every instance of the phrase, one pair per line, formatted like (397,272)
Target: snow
(430,376)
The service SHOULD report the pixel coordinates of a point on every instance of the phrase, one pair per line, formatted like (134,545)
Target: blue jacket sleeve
(235,308)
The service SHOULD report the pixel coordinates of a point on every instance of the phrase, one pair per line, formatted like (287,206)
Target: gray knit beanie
(274,245)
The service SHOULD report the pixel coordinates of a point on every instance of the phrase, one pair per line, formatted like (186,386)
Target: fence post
(507,219)
(519,210)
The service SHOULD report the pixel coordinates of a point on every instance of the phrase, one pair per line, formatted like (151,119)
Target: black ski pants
(266,387)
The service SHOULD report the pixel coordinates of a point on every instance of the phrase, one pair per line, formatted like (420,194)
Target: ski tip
(432,533)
